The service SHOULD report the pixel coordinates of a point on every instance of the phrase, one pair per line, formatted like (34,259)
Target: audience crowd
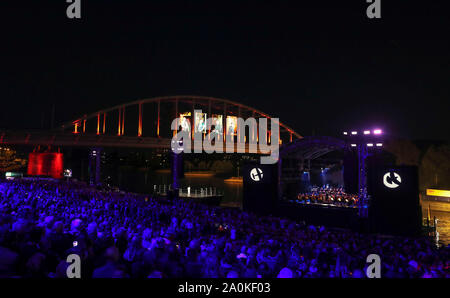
(126,235)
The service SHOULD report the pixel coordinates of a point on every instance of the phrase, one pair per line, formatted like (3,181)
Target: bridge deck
(35,138)
(46,138)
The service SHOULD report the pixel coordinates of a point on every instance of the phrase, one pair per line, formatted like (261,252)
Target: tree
(9,161)
(435,168)
(406,152)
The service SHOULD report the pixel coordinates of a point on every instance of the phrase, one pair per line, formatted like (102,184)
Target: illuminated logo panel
(392,180)
(256,174)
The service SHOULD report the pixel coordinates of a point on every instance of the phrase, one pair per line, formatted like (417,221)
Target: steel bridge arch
(190,99)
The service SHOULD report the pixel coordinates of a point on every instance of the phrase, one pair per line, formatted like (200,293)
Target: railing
(50,138)
(437,199)
(188,192)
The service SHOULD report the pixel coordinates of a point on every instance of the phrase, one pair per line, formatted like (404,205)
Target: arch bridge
(144,123)
(159,113)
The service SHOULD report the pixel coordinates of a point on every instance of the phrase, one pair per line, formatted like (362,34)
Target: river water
(440,210)
(136,181)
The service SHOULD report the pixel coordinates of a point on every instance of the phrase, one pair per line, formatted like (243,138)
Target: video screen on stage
(217,123)
(185,121)
(200,122)
(232,125)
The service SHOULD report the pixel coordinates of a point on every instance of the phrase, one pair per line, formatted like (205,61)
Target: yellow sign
(438,193)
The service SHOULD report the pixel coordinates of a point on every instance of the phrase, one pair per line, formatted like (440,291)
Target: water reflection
(143,182)
(441,211)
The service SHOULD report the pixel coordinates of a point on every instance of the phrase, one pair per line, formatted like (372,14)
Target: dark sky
(321,68)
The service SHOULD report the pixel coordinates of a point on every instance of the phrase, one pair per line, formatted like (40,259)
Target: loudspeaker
(351,172)
(394,206)
(260,189)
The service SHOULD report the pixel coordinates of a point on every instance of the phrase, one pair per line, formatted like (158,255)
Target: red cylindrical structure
(45,164)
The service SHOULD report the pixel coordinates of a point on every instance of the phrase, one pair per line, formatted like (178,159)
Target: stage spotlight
(377,132)
(379,144)
(354,132)
(353,145)
(345,133)
(369,145)
(367,132)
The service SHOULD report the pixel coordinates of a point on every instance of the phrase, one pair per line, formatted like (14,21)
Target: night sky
(320,68)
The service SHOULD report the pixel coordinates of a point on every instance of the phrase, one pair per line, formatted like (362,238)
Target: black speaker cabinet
(394,206)
(351,172)
(260,189)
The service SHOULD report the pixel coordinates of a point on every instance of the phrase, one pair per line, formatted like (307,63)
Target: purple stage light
(379,144)
(353,145)
(354,132)
(369,145)
(367,132)
(377,132)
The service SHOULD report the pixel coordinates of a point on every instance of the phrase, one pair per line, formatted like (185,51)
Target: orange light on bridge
(157,125)
(98,123)
(75,129)
(104,123)
(120,120)
(140,120)
(122,131)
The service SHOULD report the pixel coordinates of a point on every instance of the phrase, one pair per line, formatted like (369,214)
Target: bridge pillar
(95,166)
(279,180)
(176,168)
(362,180)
